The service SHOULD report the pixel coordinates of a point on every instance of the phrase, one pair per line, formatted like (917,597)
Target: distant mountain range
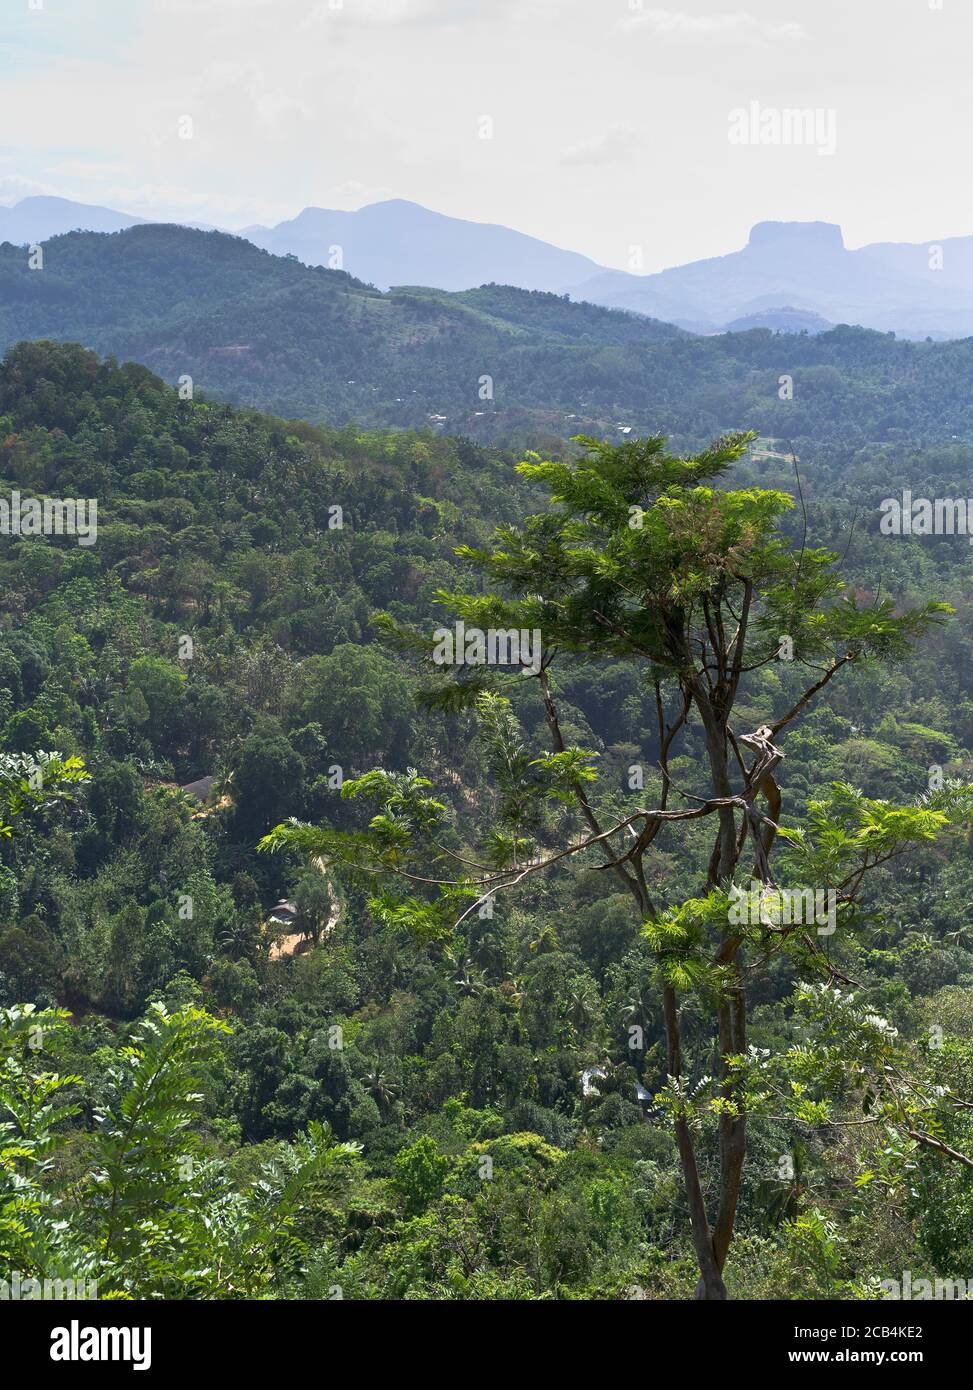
(790,277)
(914,291)
(495,363)
(384,244)
(401,243)
(33,220)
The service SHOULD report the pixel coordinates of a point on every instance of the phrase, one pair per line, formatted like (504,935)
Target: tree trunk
(733,1129)
(725,855)
(711,1284)
(732,1010)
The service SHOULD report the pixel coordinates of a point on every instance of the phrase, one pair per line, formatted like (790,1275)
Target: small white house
(285,913)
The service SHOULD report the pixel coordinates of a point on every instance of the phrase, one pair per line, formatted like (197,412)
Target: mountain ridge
(492,363)
(916,290)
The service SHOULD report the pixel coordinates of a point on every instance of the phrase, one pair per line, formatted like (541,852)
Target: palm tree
(545,940)
(638,1010)
(582,1006)
(382,1091)
(238,939)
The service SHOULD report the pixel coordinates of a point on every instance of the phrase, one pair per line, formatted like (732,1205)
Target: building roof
(283,909)
(200,789)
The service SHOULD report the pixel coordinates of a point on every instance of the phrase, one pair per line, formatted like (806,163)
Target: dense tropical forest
(496,364)
(500,1041)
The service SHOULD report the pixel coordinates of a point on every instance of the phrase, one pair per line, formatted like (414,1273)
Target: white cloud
(353,194)
(87,169)
(372,13)
(615,143)
(383,98)
(386,14)
(379,13)
(679,25)
(13,188)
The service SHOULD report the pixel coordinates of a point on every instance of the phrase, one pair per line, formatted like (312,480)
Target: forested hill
(265,330)
(513,1039)
(493,363)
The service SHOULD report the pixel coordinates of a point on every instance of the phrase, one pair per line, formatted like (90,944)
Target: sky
(603,126)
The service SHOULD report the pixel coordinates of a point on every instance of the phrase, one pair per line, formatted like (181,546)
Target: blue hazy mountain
(912,290)
(401,243)
(39,218)
(34,219)
(390,243)
(786,320)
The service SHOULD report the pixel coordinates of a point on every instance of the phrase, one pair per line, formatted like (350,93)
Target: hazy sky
(610,118)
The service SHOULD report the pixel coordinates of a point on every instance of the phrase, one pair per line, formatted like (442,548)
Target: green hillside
(267,331)
(375,1100)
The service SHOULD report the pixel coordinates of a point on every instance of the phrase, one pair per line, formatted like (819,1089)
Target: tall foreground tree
(641,556)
